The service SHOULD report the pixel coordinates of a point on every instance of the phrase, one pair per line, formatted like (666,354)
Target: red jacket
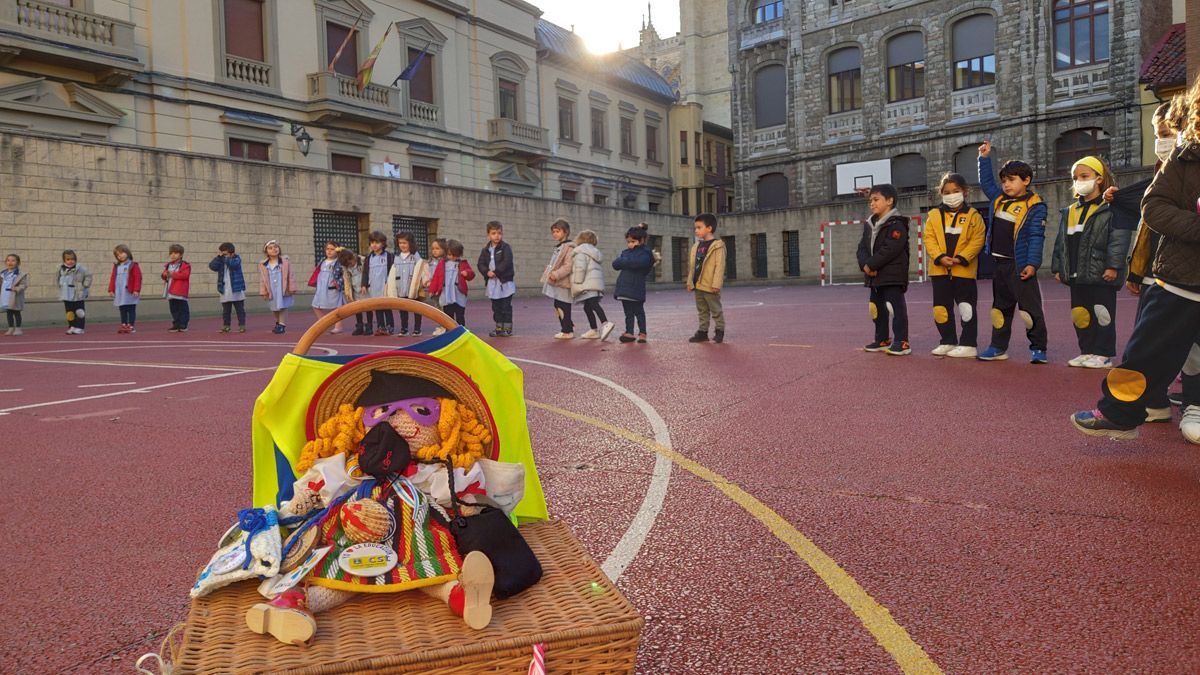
(135,279)
(178,282)
(438,282)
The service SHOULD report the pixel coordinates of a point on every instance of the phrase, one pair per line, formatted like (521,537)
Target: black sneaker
(1093,423)
(416,333)
(719,337)
(357,330)
(899,348)
(1176,398)
(699,337)
(878,346)
(626,337)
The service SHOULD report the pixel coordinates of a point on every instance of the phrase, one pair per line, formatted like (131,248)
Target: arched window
(845,79)
(966,162)
(1081,32)
(772,191)
(767,10)
(1073,145)
(974,49)
(909,173)
(770,96)
(906,67)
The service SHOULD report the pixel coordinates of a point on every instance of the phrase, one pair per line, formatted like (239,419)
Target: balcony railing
(761,33)
(905,114)
(973,102)
(63,35)
(336,96)
(771,138)
(424,113)
(841,126)
(509,132)
(1080,82)
(247,71)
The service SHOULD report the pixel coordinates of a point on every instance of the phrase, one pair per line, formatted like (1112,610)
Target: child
(374,283)
(556,280)
(449,281)
(954,239)
(706,274)
(1089,256)
(351,265)
(74,284)
(1016,231)
(437,253)
(177,273)
(1164,335)
(13,283)
(497,258)
(231,285)
(883,256)
(125,287)
(635,263)
(277,284)
(408,278)
(587,284)
(327,280)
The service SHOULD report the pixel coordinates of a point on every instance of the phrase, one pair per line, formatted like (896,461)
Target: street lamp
(302,138)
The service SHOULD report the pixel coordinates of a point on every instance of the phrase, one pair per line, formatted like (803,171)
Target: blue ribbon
(254,521)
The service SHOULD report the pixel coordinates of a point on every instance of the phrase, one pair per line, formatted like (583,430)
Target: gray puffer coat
(1101,247)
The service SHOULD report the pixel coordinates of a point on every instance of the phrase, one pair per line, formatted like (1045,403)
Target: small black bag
(493,534)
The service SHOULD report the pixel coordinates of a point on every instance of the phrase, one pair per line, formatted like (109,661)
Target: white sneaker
(605,329)
(1096,361)
(590,335)
(1189,426)
(8,332)
(1078,361)
(963,352)
(942,350)
(438,331)
(18,331)
(79,331)
(564,336)
(1158,415)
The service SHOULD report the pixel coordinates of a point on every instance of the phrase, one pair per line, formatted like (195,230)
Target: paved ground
(827,509)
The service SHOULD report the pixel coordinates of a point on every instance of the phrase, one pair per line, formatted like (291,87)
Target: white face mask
(953,200)
(1084,188)
(1163,147)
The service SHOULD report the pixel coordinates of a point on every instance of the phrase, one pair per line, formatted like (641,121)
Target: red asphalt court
(953,492)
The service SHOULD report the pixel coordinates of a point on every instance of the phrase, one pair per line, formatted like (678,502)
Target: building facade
(831,96)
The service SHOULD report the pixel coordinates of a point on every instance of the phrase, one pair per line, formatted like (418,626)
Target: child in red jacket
(449,282)
(177,273)
(125,287)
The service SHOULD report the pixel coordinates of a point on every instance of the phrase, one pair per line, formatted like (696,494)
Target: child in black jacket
(883,257)
(496,262)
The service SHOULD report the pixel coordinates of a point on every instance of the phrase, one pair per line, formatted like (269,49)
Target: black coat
(635,264)
(889,254)
(504,262)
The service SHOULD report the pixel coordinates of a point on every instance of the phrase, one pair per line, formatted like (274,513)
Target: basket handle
(369,305)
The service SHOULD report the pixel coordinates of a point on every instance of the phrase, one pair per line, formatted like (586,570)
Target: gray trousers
(708,305)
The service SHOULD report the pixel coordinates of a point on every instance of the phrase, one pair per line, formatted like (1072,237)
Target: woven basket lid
(347,383)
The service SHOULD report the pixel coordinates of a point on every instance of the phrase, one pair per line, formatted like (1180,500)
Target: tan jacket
(712,273)
(560,265)
(417,287)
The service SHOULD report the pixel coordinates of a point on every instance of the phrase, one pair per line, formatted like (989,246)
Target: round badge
(231,535)
(301,543)
(367,560)
(229,561)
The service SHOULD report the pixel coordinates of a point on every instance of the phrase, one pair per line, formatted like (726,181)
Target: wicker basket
(584,621)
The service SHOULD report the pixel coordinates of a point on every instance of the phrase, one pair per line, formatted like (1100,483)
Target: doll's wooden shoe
(284,617)
(477,578)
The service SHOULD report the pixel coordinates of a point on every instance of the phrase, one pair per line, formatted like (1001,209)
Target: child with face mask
(954,239)
(1089,256)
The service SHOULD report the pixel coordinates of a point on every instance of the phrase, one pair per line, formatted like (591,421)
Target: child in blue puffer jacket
(635,263)
(231,285)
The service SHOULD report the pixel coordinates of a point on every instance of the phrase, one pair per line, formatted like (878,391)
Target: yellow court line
(777,344)
(231,351)
(890,635)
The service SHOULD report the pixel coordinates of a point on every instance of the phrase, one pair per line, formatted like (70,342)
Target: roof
(1166,65)
(565,45)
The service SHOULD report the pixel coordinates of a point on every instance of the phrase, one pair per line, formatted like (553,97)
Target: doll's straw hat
(348,383)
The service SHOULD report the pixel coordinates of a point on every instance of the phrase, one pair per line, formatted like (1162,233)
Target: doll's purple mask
(423,411)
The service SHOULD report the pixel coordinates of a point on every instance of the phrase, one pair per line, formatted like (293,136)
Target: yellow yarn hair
(341,433)
(463,436)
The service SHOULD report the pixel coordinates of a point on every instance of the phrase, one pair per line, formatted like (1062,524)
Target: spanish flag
(364,73)
(278,423)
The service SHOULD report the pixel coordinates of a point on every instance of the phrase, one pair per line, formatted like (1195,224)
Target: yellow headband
(1092,163)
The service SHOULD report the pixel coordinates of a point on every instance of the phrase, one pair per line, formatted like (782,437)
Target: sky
(605,24)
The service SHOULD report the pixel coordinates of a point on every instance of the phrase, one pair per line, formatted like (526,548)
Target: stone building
(903,91)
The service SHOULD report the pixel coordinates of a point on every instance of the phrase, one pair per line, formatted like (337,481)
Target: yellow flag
(364,73)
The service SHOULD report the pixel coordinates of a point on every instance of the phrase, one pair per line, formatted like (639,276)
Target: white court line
(123,364)
(635,537)
(144,345)
(10,391)
(5,411)
(106,384)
